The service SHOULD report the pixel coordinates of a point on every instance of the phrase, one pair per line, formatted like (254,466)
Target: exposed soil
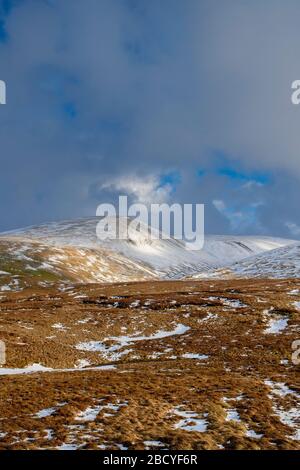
(190,365)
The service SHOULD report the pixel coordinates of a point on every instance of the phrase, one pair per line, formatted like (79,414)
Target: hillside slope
(70,251)
(280,263)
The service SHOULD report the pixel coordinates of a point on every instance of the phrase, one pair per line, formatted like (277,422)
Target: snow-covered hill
(280,263)
(71,249)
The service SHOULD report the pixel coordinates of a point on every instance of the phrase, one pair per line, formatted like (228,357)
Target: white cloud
(252,184)
(238,219)
(147,190)
(293,228)
(219,205)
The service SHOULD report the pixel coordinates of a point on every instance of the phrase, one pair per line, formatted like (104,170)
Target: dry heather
(161,364)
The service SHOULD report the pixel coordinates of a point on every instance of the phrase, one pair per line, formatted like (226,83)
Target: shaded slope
(281,263)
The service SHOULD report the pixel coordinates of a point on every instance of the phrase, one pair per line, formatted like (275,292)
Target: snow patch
(114,352)
(190,422)
(290,417)
(201,357)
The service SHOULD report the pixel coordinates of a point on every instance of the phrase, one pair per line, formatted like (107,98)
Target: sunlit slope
(71,251)
(27,263)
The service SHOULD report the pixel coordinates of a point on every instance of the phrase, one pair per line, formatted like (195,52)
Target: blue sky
(164,101)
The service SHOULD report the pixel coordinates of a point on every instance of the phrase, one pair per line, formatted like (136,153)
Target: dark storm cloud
(108,95)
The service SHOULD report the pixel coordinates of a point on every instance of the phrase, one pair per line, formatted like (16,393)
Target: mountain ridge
(70,251)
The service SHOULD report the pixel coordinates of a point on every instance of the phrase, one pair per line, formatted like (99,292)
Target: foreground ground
(170,365)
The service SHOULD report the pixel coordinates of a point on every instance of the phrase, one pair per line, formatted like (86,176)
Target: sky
(173,101)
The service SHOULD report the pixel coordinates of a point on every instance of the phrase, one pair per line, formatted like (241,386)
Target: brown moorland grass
(191,366)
